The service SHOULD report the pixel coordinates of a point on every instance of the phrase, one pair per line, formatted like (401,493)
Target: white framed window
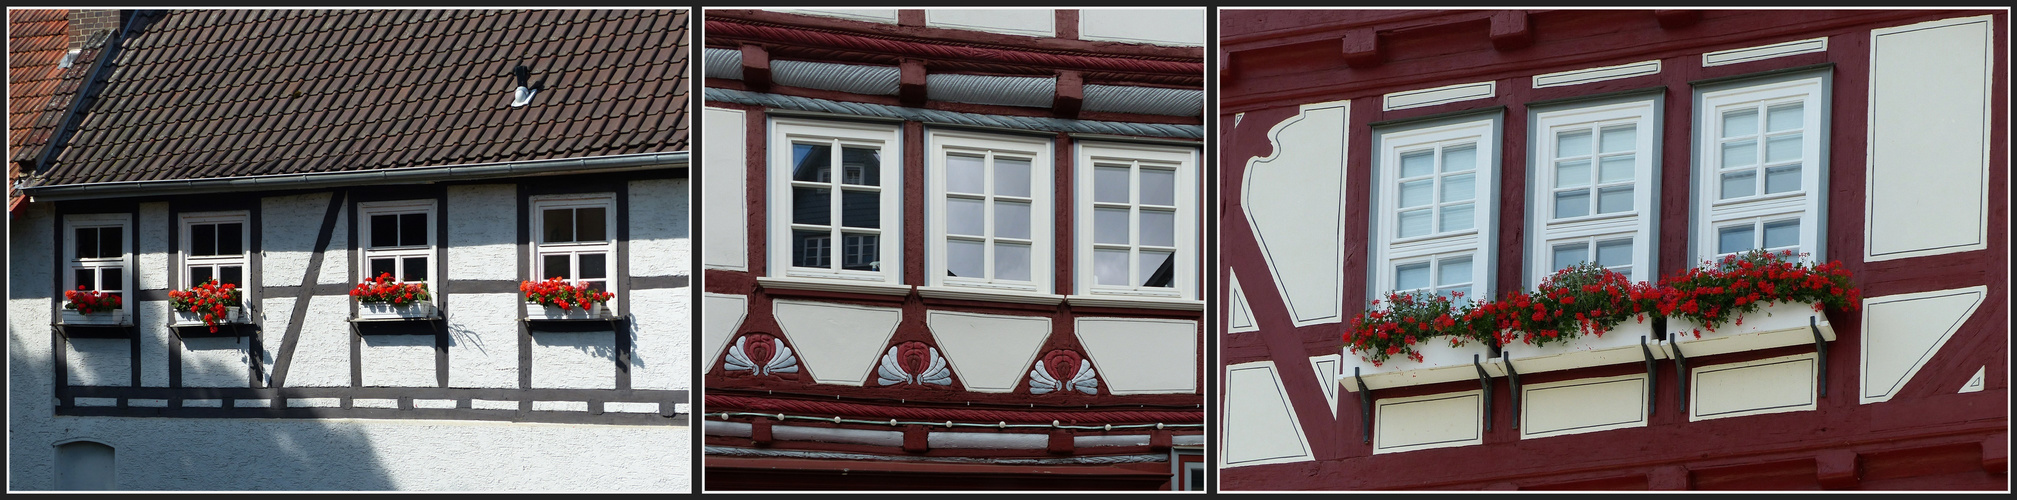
(1760,168)
(214,246)
(989,211)
(1435,208)
(836,200)
(398,239)
(574,238)
(99,253)
(1136,220)
(1595,189)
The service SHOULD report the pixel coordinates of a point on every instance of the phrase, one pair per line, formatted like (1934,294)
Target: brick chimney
(89,26)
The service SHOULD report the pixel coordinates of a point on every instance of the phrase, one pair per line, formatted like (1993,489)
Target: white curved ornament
(891,370)
(739,359)
(1084,380)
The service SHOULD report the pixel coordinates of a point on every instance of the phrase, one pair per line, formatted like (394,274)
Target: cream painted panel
(1239,315)
(1771,385)
(1142,355)
(1929,139)
(1432,421)
(836,343)
(1439,95)
(1260,426)
(1974,383)
(1902,332)
(720,316)
(1031,22)
(1179,27)
(1762,52)
(1294,200)
(990,353)
(1585,405)
(1327,367)
(726,226)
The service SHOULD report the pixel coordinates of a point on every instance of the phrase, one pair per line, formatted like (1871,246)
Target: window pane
(811,205)
(1110,225)
(1778,149)
(384,230)
(1454,271)
(812,162)
(87,242)
(1616,169)
(1012,261)
(1414,223)
(861,252)
(383,266)
(1618,139)
(203,239)
(416,268)
(556,266)
(413,229)
(965,174)
(1417,193)
(113,278)
(1411,276)
(1575,143)
(1740,153)
(593,266)
(558,224)
(965,258)
(1110,184)
(1735,239)
(861,166)
(591,224)
(1011,219)
(111,242)
(965,216)
(201,275)
(1572,203)
(1459,217)
(230,239)
(1740,123)
(811,248)
(1783,117)
(231,274)
(1612,200)
(1740,184)
(1572,173)
(1011,176)
(1460,158)
(1782,234)
(860,208)
(1159,187)
(1110,267)
(1782,179)
(1418,164)
(1159,228)
(1459,188)
(1570,254)
(1154,268)
(86,278)
(1614,253)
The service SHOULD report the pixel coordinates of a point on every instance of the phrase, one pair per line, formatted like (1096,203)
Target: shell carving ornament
(760,354)
(913,363)
(1062,370)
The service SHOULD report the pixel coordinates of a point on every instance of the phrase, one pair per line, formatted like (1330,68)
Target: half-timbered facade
(1370,151)
(953,249)
(294,154)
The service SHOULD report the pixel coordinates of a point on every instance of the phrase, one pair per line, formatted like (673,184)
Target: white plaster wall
(289,226)
(99,361)
(152,246)
(1929,138)
(1771,385)
(322,351)
(396,360)
(574,360)
(1902,332)
(836,343)
(1431,421)
(482,345)
(659,244)
(216,362)
(990,353)
(1141,355)
(482,232)
(1030,22)
(721,315)
(1582,405)
(661,339)
(726,229)
(1175,27)
(1294,201)
(153,343)
(1260,427)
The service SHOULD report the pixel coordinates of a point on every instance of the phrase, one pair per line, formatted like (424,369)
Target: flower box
(542,311)
(1617,346)
(115,317)
(385,310)
(1773,325)
(232,314)
(1440,363)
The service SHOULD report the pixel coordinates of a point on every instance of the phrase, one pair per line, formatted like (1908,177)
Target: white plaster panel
(434,403)
(315,403)
(96,401)
(659,230)
(1762,52)
(148,403)
(987,441)
(1260,427)
(289,226)
(1974,383)
(571,406)
(99,361)
(1432,421)
(731,429)
(1902,332)
(1031,22)
(216,362)
(990,353)
(483,345)
(836,343)
(151,246)
(1592,75)
(1176,27)
(256,403)
(397,360)
(623,407)
(834,435)
(661,342)
(322,351)
(205,403)
(1294,201)
(485,404)
(1439,95)
(1583,405)
(1327,367)
(1771,385)
(574,360)
(482,232)
(887,16)
(275,314)
(1929,139)
(1239,315)
(1141,355)
(720,316)
(374,403)
(726,227)
(154,343)
(1120,440)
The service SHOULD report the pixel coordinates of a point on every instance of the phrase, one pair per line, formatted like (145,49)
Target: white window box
(1774,325)
(1440,363)
(384,310)
(115,317)
(231,315)
(543,311)
(1618,346)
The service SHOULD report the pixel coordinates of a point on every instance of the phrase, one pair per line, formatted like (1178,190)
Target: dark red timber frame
(1271,63)
(767,36)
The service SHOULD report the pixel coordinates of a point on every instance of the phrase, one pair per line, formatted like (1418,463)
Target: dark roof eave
(600,164)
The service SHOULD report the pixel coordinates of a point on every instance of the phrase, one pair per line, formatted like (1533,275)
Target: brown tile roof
(36,91)
(225,93)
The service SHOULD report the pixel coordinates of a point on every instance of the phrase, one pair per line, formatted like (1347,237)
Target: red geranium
(1723,290)
(210,299)
(1410,318)
(1578,300)
(558,292)
(90,301)
(384,289)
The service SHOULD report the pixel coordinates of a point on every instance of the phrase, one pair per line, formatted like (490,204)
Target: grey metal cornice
(1044,124)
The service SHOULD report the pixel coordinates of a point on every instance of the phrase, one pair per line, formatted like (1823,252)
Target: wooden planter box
(1618,346)
(1774,325)
(546,312)
(115,317)
(383,310)
(185,318)
(1440,363)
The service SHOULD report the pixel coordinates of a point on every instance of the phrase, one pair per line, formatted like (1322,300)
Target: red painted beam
(911,82)
(1361,48)
(1510,30)
(1070,96)
(1837,469)
(755,67)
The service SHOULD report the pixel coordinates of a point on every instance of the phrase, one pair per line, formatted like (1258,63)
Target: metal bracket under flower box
(190,325)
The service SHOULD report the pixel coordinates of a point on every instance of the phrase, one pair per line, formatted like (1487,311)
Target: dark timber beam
(1361,48)
(1070,96)
(1510,30)
(755,67)
(911,83)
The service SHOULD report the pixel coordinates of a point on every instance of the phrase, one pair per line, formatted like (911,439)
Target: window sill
(984,295)
(1125,302)
(832,285)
